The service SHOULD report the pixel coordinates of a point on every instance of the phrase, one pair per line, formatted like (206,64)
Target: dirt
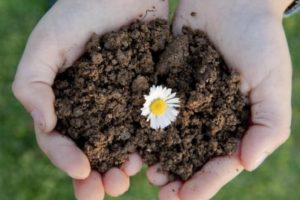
(99,99)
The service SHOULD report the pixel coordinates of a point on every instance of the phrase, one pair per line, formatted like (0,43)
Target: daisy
(159,107)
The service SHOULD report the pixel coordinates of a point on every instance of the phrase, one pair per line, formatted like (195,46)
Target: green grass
(25,174)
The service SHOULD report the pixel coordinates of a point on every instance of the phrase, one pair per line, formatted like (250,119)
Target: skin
(55,43)
(250,36)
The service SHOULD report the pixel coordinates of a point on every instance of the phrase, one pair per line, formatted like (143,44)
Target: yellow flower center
(158,107)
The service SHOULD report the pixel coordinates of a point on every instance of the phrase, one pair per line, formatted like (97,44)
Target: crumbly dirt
(99,99)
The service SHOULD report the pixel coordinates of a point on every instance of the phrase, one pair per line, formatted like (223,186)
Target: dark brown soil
(99,99)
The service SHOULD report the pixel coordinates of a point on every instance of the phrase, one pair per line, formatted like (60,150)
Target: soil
(99,99)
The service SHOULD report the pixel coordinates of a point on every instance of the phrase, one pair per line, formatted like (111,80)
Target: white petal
(164,122)
(173,105)
(170,115)
(174,100)
(174,112)
(150,117)
(154,123)
(145,111)
(168,92)
(159,120)
(171,96)
(147,104)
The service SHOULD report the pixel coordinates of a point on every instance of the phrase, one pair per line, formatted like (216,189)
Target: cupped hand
(250,36)
(56,42)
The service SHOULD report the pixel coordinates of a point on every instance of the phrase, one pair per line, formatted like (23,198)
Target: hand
(56,42)
(250,36)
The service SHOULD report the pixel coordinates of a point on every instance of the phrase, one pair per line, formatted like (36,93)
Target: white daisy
(159,107)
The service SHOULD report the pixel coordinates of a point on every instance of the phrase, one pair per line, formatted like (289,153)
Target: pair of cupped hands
(250,36)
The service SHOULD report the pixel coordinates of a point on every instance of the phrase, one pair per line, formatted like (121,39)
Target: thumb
(38,99)
(32,84)
(271,118)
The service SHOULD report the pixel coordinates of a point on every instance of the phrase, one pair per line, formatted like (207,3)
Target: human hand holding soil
(56,42)
(251,40)
(250,36)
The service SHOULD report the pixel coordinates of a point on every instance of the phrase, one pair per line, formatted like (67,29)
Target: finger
(64,154)
(187,14)
(90,188)
(270,102)
(214,175)
(33,89)
(170,191)
(115,182)
(133,165)
(34,78)
(271,118)
(111,14)
(156,176)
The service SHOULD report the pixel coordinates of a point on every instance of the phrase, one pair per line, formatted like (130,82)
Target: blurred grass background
(25,174)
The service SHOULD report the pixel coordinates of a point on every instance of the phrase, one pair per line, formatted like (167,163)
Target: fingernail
(38,119)
(259,161)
